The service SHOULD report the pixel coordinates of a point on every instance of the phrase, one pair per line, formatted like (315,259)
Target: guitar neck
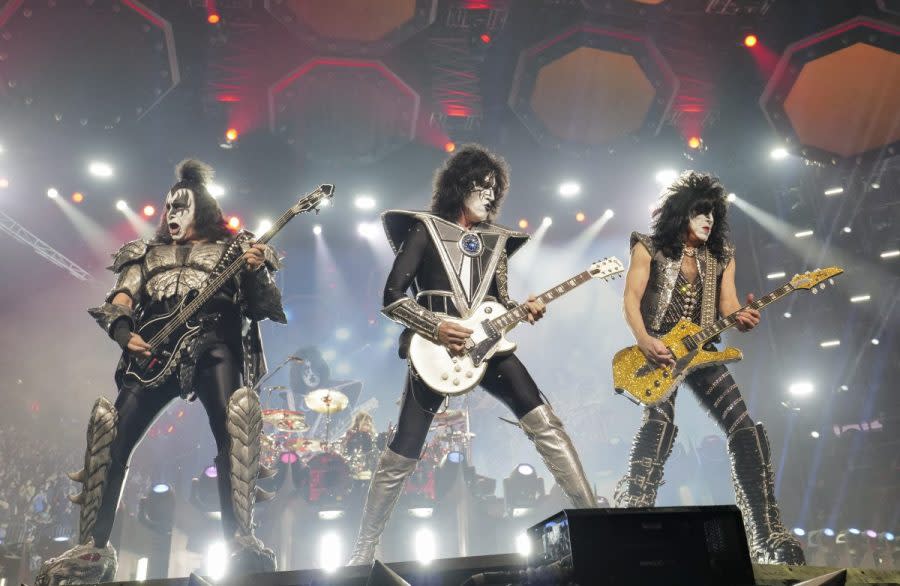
(728,321)
(520,312)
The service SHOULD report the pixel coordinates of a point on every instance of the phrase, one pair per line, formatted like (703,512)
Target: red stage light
(213,18)
(234,222)
(694,142)
(750,41)
(231,134)
(450,147)
(485,38)
(149,211)
(78,197)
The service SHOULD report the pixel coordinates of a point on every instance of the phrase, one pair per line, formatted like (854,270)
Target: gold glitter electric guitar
(648,383)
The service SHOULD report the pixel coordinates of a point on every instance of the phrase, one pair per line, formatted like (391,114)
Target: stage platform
(453,572)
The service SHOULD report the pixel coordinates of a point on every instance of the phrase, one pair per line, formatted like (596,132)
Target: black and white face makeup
(701,224)
(180,213)
(480,202)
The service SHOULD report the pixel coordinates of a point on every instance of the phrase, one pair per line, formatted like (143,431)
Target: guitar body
(152,372)
(649,384)
(456,375)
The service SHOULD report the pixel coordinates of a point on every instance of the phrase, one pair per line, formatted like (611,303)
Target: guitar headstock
(606,268)
(810,279)
(314,200)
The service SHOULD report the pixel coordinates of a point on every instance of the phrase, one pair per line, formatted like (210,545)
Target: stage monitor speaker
(381,575)
(676,546)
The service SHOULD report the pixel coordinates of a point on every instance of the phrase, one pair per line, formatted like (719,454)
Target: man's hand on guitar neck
(453,336)
(656,352)
(536,309)
(255,256)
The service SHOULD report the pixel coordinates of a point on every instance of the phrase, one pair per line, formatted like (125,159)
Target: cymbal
(449,417)
(326,401)
(285,420)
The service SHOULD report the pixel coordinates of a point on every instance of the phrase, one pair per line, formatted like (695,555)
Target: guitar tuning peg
(831,281)
(814,290)
(822,286)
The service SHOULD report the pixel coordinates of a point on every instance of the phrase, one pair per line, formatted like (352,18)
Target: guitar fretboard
(520,312)
(728,321)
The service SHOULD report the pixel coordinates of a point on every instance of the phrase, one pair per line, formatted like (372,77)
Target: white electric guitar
(449,374)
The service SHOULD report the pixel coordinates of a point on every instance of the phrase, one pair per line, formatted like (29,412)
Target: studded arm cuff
(412,315)
(109,314)
(503,282)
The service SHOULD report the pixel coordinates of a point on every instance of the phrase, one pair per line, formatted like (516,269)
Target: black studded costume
(219,368)
(668,298)
(451,270)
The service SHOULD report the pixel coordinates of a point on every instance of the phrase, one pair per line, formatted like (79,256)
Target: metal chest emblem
(470,244)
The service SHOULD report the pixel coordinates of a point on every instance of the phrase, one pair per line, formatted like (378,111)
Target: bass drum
(328,479)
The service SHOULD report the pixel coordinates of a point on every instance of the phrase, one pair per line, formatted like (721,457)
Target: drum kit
(331,468)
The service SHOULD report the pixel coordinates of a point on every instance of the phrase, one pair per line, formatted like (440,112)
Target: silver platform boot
(555,447)
(384,492)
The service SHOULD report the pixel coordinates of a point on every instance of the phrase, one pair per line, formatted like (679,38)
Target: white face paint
(180,213)
(702,225)
(479,203)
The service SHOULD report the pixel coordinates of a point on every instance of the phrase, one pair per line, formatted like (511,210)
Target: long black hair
(209,223)
(690,194)
(453,180)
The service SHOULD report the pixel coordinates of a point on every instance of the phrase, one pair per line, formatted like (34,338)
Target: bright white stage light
(731,197)
(367,229)
(364,202)
(215,190)
(799,531)
(217,560)
(666,176)
(860,298)
(834,191)
(787,314)
(425,545)
(547,221)
(525,469)
(330,515)
(775,275)
(803,234)
(830,343)
(52,193)
(264,226)
(330,552)
(140,572)
(847,230)
(845,388)
(814,434)
(801,389)
(4,182)
(523,545)
(779,153)
(317,229)
(608,214)
(100,169)
(876,186)
(875,341)
(890,253)
(121,205)
(2,150)
(569,189)
(342,334)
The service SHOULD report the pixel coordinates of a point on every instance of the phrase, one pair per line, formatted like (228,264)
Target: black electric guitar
(168,334)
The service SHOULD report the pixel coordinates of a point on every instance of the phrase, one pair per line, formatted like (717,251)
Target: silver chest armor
(171,270)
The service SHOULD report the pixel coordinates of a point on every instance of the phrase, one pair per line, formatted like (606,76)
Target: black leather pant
(218,375)
(506,379)
(717,392)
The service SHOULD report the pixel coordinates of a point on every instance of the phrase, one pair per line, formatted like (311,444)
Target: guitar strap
(708,303)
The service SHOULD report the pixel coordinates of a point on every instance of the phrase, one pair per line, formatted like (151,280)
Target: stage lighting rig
(157,509)
(522,490)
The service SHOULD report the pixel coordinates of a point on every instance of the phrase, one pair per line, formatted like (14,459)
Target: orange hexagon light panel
(592,86)
(354,26)
(835,96)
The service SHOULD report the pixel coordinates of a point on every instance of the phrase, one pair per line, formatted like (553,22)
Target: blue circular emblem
(470,244)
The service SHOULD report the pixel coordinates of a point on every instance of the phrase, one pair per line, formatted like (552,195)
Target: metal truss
(19,232)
